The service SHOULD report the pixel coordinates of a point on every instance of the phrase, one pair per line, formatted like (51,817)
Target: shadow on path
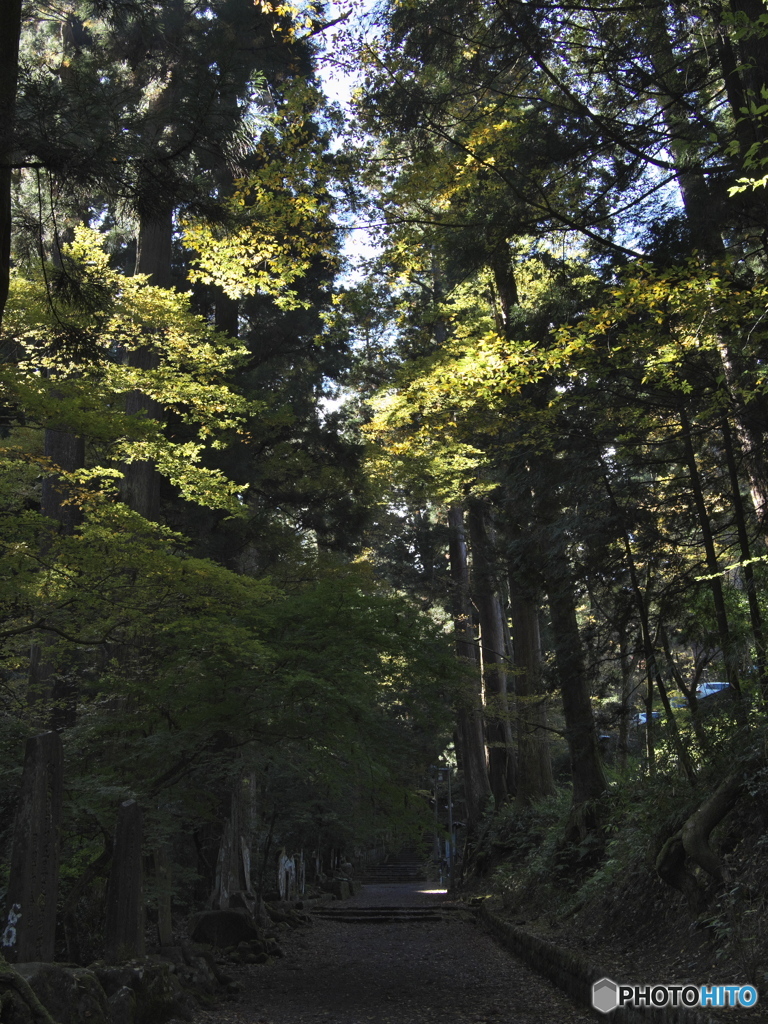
(441,971)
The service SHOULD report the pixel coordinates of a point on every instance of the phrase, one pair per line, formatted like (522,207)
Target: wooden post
(124,933)
(30,925)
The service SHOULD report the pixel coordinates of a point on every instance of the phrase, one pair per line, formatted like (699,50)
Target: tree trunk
(30,929)
(705,211)
(692,842)
(708,219)
(163,884)
(10,30)
(485,592)
(477,788)
(698,828)
(124,930)
(46,684)
(141,481)
(227,314)
(534,766)
(653,673)
(628,659)
(755,615)
(690,693)
(233,866)
(715,581)
(587,773)
(745,75)
(66,452)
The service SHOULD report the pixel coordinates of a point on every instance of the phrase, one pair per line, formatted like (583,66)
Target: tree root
(671,868)
(17,1000)
(691,843)
(697,829)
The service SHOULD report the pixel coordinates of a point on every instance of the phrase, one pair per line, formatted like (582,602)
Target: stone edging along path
(576,976)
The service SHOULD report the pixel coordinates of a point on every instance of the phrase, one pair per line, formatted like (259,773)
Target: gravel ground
(393,973)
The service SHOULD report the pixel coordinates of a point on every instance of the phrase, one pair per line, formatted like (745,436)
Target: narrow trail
(394,972)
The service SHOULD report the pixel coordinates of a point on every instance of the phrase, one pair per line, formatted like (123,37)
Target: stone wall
(575,975)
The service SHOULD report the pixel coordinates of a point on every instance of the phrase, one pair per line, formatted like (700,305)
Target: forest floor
(431,972)
(644,934)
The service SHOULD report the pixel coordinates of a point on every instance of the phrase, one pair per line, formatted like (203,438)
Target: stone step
(379,917)
(383,915)
(396,873)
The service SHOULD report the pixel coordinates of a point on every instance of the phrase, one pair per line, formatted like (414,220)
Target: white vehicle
(707,689)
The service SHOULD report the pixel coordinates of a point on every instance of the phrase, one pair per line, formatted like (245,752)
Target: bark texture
(141,481)
(10,30)
(124,931)
(692,843)
(698,828)
(534,766)
(587,772)
(477,788)
(493,652)
(30,927)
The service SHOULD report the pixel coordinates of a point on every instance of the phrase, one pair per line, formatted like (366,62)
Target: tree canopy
(497,496)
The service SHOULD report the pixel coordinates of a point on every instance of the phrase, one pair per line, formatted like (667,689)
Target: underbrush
(536,860)
(607,884)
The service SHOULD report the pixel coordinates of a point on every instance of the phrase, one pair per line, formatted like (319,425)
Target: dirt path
(446,972)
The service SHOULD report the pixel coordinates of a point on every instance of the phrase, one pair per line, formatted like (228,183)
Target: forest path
(425,972)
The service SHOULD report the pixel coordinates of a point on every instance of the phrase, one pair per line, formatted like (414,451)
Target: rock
(173,953)
(72,995)
(222,928)
(205,973)
(284,914)
(16,1011)
(156,986)
(122,1006)
(341,889)
(18,1003)
(198,977)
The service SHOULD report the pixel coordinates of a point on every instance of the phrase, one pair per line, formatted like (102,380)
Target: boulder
(287,918)
(72,995)
(156,988)
(146,991)
(341,889)
(122,1006)
(197,975)
(18,1003)
(224,928)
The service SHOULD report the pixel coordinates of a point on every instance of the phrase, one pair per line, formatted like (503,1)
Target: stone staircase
(384,915)
(384,873)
